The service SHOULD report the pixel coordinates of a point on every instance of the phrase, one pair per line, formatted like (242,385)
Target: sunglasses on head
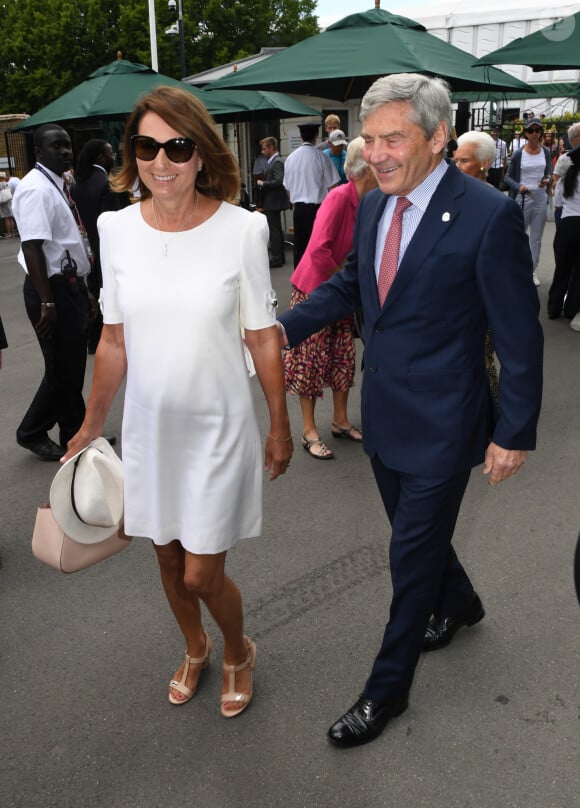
(178,149)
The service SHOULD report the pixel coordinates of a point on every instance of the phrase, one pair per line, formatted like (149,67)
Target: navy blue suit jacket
(426,405)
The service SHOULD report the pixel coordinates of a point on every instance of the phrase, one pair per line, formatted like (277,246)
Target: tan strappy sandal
(241,699)
(180,686)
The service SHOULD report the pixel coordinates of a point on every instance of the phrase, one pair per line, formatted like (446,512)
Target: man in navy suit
(463,264)
(92,195)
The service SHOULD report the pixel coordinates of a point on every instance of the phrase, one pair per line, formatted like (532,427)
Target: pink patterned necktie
(390,256)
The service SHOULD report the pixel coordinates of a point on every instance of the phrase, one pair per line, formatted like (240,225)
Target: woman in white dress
(185,274)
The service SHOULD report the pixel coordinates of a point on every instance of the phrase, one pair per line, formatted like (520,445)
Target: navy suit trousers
(426,574)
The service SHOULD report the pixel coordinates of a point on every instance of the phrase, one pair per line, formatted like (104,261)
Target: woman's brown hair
(180,109)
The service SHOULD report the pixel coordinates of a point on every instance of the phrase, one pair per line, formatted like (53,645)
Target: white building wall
(481,31)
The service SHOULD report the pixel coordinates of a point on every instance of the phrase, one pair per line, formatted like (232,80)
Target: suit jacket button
(379,329)
(373,369)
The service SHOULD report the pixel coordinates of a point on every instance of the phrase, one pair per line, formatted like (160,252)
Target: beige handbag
(52,546)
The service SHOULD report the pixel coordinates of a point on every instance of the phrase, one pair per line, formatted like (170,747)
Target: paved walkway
(85,659)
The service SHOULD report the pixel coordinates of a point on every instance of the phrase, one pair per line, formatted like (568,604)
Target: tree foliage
(50,46)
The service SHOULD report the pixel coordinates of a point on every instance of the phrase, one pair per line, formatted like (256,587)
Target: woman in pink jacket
(327,358)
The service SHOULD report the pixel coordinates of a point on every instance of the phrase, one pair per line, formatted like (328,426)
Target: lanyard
(73,209)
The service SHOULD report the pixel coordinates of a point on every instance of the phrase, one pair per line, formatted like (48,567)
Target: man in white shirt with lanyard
(497,170)
(56,258)
(308,176)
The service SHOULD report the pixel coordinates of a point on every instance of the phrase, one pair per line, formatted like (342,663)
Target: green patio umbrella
(558,89)
(344,60)
(254,105)
(552,48)
(110,91)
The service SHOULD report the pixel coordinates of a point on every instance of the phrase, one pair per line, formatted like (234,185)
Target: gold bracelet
(280,440)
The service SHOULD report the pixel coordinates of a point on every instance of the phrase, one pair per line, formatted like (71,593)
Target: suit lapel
(441,213)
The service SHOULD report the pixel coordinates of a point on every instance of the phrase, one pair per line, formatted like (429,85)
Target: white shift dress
(191,449)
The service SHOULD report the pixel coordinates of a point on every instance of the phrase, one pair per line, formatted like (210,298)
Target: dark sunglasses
(533,130)
(178,149)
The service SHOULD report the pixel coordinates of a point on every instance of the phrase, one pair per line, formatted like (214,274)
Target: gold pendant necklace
(164,248)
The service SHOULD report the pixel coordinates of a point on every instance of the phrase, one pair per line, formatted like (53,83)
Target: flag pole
(153,36)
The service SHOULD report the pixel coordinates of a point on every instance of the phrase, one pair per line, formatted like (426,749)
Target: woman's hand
(264,345)
(279,450)
(109,371)
(79,442)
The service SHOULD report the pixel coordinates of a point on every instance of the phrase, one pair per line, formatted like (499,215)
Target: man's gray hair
(484,144)
(429,98)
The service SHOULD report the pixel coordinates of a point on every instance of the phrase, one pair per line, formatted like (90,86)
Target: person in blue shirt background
(337,152)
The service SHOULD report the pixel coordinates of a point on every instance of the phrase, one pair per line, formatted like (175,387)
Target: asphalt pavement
(85,659)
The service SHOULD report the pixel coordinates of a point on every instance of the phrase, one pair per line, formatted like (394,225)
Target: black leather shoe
(44,448)
(441,630)
(365,721)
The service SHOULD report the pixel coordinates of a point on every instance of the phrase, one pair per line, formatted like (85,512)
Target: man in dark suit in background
(274,198)
(437,257)
(92,195)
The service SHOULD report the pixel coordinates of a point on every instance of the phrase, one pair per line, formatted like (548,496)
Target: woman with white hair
(327,358)
(474,154)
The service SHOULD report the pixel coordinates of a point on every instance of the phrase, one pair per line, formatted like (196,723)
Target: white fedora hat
(86,495)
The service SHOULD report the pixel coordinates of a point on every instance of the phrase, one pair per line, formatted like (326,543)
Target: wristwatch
(48,304)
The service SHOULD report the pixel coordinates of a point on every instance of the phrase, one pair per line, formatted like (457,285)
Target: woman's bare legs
(189,578)
(309,429)
(340,417)
(185,608)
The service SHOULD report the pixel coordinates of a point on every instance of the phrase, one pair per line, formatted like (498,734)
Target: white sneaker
(575,323)
(536,280)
